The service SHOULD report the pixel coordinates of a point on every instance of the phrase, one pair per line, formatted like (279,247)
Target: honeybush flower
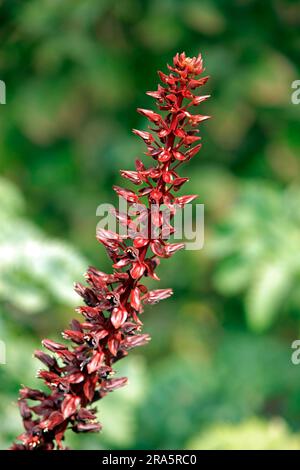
(80,372)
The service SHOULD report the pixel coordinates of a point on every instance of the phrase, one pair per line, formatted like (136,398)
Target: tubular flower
(79,371)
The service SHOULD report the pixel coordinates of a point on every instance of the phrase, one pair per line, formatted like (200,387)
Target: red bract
(154,296)
(79,374)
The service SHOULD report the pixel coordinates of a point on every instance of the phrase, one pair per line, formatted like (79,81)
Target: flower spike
(80,372)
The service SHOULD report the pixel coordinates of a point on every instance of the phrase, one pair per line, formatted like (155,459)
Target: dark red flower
(80,372)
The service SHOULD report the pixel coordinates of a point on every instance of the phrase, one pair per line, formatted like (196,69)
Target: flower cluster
(82,373)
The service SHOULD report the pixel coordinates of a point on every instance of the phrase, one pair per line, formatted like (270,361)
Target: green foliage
(34,270)
(250,435)
(217,373)
(257,247)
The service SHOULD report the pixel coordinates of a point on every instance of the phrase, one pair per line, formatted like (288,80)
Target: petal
(121,263)
(89,389)
(103,235)
(113,345)
(132,176)
(75,378)
(113,384)
(179,156)
(135,299)
(151,115)
(45,358)
(146,136)
(136,340)
(96,362)
(164,156)
(139,242)
(54,420)
(52,345)
(182,200)
(137,270)
(196,83)
(69,405)
(193,151)
(171,248)
(88,427)
(158,248)
(198,99)
(76,336)
(155,296)
(126,194)
(178,182)
(118,316)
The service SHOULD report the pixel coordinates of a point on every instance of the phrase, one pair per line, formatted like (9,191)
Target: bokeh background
(218,372)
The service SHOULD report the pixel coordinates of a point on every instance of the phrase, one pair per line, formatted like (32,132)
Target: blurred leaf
(204,17)
(270,80)
(257,246)
(266,296)
(33,268)
(254,434)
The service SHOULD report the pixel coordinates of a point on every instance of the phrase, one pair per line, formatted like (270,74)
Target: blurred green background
(217,373)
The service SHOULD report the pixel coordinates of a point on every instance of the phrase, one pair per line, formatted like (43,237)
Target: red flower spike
(80,372)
